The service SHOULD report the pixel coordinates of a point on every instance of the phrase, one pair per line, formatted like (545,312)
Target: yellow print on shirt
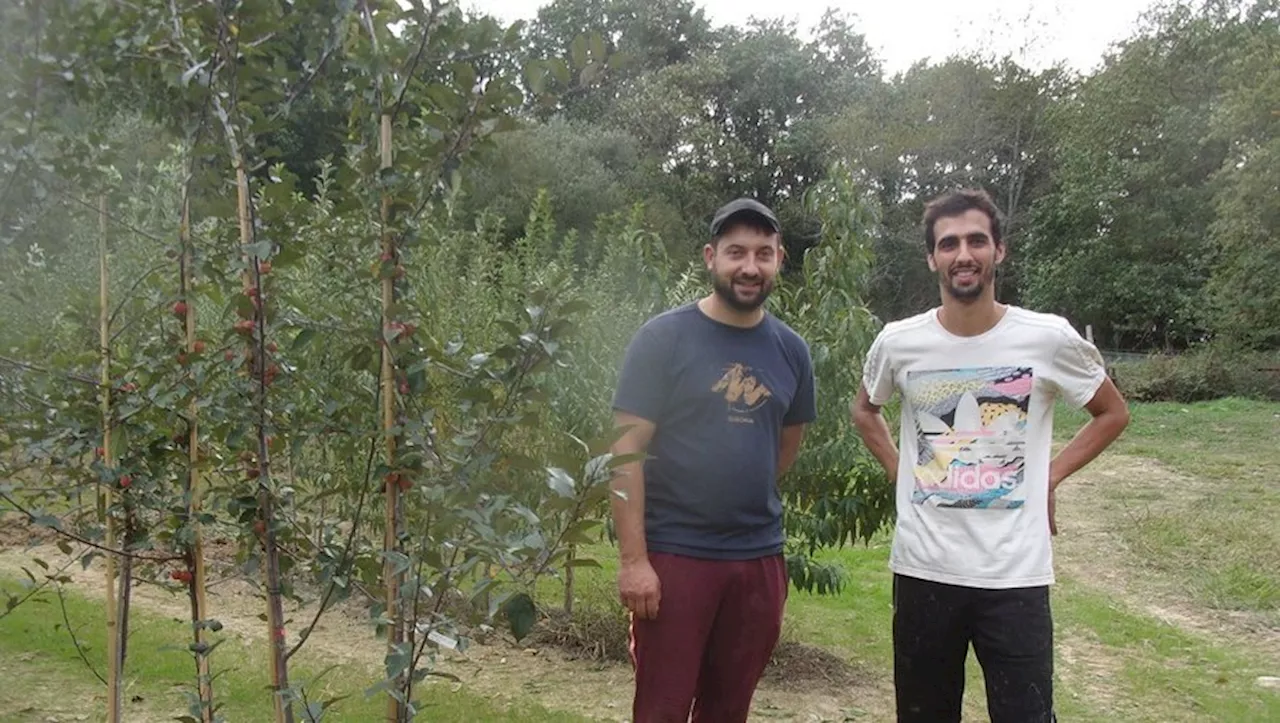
(742,391)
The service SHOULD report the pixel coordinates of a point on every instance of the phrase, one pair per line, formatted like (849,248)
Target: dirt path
(1091,549)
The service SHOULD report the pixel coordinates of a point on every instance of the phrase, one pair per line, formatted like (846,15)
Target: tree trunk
(106,496)
(397,711)
(266,501)
(195,492)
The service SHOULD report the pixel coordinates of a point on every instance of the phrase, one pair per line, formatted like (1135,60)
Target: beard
(971,292)
(723,286)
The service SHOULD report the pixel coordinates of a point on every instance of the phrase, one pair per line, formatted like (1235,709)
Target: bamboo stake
(195,491)
(396,710)
(105,494)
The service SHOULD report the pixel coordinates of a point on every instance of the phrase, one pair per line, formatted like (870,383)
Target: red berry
(126,480)
(230,355)
(264,267)
(198,347)
(404,387)
(244,327)
(100,452)
(252,473)
(271,347)
(182,358)
(386,256)
(180,309)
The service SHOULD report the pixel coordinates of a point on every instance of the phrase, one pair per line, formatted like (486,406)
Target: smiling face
(965,255)
(743,263)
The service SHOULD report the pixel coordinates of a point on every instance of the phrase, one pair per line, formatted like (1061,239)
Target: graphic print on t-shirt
(742,392)
(971,434)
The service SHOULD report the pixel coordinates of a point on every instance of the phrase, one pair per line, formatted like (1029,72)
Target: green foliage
(1211,372)
(585,170)
(837,493)
(1244,293)
(1145,171)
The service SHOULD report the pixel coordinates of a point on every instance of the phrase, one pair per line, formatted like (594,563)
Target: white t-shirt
(975,442)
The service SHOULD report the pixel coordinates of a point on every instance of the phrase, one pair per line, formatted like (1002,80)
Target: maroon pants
(717,624)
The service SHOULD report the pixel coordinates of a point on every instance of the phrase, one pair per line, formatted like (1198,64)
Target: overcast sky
(903,31)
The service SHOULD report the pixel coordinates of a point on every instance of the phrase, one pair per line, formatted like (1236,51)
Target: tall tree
(963,122)
(1119,241)
(1245,287)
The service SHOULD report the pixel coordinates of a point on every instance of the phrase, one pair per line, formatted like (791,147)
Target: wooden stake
(106,496)
(195,491)
(397,712)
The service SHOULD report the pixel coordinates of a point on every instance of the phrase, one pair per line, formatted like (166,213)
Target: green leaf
(560,482)
(621,459)
(575,306)
(464,76)
(303,338)
(521,615)
(535,74)
(398,660)
(582,562)
(260,249)
(289,254)
(578,51)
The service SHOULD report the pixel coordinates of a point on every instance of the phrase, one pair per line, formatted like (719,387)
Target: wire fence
(1114,357)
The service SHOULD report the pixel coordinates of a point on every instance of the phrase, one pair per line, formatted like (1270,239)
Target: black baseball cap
(740,206)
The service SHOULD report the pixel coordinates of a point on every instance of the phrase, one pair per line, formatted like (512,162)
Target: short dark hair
(955,203)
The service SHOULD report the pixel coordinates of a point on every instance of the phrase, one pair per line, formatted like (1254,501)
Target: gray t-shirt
(719,396)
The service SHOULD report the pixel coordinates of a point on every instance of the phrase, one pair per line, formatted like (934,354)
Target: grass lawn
(1215,525)
(160,673)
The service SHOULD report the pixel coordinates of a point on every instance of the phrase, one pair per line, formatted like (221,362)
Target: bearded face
(965,255)
(743,264)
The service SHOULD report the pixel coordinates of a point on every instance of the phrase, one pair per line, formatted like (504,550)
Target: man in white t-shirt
(971,555)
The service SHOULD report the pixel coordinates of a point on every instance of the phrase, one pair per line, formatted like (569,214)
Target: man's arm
(875,432)
(1110,417)
(637,582)
(789,447)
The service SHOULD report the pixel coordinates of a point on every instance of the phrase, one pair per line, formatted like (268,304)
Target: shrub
(1211,372)
(598,629)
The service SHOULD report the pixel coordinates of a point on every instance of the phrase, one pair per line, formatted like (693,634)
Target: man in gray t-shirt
(717,393)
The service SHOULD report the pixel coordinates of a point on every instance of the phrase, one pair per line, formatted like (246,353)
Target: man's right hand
(639,588)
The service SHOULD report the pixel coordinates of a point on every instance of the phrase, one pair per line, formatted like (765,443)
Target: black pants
(1012,635)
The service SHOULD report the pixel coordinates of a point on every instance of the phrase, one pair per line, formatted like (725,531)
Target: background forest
(342,285)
